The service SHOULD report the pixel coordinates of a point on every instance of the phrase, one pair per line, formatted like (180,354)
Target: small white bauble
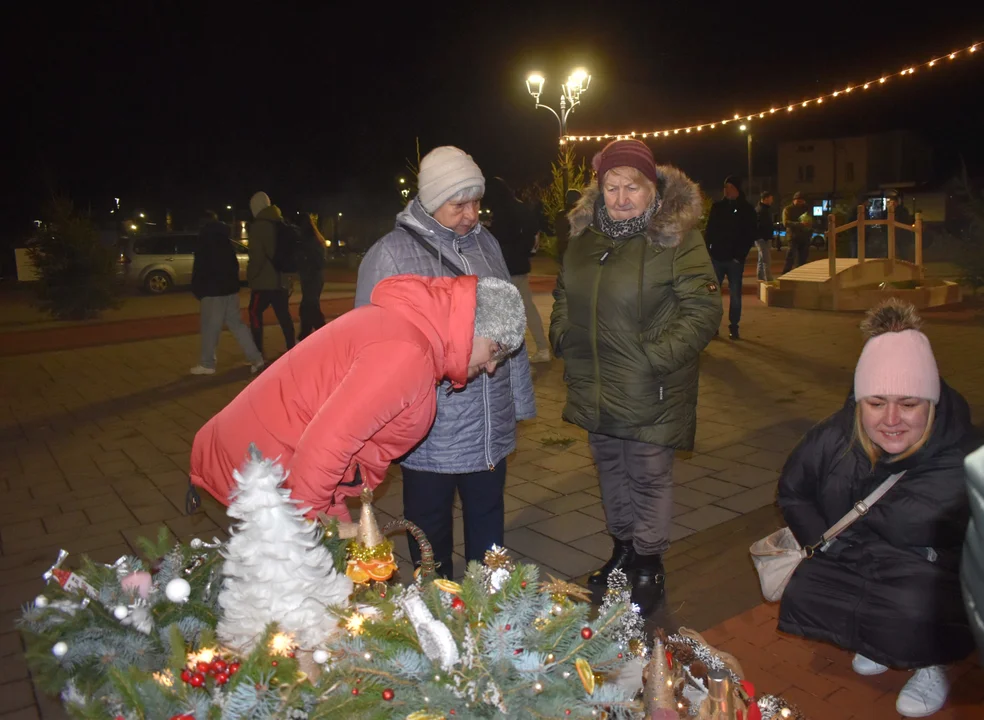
(196,543)
(59,649)
(320,656)
(178,590)
(120,612)
(40,601)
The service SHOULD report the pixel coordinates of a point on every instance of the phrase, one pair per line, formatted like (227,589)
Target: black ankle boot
(622,556)
(648,582)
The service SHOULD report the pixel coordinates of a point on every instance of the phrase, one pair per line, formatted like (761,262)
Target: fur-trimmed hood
(679,213)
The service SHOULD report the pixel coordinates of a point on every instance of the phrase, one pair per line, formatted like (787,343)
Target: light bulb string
(772,110)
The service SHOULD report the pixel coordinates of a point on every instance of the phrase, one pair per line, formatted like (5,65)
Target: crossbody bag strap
(455,270)
(861,507)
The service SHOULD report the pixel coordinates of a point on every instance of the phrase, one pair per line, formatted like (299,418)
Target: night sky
(187,105)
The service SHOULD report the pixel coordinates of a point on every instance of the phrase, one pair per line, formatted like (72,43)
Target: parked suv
(157,263)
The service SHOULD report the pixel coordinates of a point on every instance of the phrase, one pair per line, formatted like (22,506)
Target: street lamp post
(577,83)
(746,129)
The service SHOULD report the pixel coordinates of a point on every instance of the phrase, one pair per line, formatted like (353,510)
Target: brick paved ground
(94,449)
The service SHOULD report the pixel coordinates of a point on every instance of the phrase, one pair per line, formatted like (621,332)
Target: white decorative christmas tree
(276,568)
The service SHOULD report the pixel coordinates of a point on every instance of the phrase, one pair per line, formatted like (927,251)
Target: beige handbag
(776,556)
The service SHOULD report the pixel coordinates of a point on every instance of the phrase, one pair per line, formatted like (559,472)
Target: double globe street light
(570,98)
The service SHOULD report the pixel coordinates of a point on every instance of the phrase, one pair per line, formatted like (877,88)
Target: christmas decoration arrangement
(270,624)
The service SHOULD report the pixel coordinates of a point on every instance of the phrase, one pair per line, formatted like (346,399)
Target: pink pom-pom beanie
(898,363)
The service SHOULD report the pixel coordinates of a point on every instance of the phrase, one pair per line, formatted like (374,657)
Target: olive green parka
(631,316)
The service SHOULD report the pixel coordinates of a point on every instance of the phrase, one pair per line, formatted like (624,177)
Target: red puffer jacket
(356,394)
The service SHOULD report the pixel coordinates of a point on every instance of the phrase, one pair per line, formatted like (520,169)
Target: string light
(806,103)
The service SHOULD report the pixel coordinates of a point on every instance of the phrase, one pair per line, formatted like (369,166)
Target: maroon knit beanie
(625,153)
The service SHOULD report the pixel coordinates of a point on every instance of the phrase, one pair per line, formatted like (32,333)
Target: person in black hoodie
(215,282)
(515,227)
(888,587)
(731,231)
(311,272)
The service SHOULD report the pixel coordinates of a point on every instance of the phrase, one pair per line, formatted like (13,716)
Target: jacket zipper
(485,380)
(594,328)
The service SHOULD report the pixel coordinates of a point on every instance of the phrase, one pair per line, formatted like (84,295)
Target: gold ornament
(424,715)
(496,558)
(659,684)
(452,588)
(586,674)
(564,589)
(551,657)
(370,554)
(636,647)
(540,623)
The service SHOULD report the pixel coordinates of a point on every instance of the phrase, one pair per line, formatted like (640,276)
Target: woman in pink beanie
(887,588)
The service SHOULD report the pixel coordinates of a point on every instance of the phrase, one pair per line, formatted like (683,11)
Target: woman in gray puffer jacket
(439,234)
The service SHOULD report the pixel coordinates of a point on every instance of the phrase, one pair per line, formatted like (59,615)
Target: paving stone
(532,493)
(16,696)
(115,512)
(598,510)
(528,471)
(767,459)
(600,545)
(749,500)
(17,532)
(570,482)
(746,475)
(692,498)
(525,516)
(566,503)
(569,561)
(678,532)
(66,520)
(569,526)
(564,462)
(712,486)
(704,517)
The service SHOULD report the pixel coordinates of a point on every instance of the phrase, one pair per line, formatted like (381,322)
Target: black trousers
(428,501)
(259,300)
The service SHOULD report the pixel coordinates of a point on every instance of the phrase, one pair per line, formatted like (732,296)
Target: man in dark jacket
(515,227)
(764,239)
(731,232)
(215,282)
(267,284)
(798,233)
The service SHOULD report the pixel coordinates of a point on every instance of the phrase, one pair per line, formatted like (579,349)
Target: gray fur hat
(499,313)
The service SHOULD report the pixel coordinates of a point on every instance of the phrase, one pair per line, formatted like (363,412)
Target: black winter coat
(514,226)
(732,229)
(215,272)
(888,587)
(763,218)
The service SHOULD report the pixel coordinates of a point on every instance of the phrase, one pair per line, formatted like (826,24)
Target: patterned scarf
(616,229)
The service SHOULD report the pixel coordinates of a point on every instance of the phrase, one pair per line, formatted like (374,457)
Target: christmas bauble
(178,590)
(40,601)
(196,543)
(586,633)
(120,612)
(59,649)
(221,678)
(197,680)
(458,604)
(320,656)
(388,694)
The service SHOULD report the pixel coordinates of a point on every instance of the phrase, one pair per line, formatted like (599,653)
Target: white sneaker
(925,693)
(256,367)
(864,666)
(202,370)
(540,356)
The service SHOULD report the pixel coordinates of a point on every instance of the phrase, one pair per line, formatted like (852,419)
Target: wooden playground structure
(846,284)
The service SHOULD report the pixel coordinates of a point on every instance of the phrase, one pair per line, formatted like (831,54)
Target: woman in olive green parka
(636,302)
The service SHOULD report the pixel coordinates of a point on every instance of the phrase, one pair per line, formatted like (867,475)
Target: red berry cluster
(458,604)
(186,716)
(219,669)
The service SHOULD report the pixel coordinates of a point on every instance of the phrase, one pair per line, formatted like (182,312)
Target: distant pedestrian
(311,272)
(766,235)
(515,227)
(215,282)
(265,281)
(798,233)
(731,232)
(562,224)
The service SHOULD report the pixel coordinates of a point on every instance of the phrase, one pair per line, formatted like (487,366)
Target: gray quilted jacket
(972,562)
(475,427)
